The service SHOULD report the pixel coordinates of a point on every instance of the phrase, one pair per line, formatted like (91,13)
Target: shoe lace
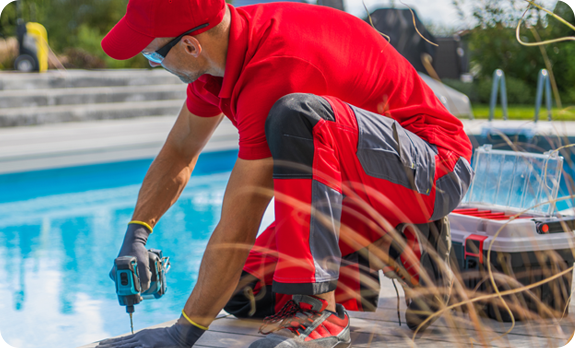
(291,317)
(396,273)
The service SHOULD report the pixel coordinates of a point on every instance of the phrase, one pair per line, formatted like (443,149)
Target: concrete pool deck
(381,329)
(93,142)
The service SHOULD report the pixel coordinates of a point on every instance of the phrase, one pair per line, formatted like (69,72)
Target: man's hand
(135,245)
(181,334)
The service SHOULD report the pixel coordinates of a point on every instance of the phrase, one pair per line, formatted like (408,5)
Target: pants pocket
(388,151)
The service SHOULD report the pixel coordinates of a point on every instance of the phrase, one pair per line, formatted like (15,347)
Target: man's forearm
(171,170)
(163,184)
(218,277)
(249,192)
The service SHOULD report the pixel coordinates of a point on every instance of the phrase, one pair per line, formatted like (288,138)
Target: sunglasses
(159,56)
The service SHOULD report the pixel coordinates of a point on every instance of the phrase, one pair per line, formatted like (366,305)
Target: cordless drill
(128,287)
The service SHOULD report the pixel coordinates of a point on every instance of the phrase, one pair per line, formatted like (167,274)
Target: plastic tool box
(509,212)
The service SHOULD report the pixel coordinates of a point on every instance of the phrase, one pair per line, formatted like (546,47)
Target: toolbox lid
(516,181)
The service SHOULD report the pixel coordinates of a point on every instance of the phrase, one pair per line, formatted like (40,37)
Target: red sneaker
(305,322)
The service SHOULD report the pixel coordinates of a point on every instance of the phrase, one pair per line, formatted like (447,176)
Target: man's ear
(191,46)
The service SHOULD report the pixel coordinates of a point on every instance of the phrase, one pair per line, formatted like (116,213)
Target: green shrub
(89,39)
(469,89)
(77,58)
(519,92)
(8,52)
(6,63)
(569,97)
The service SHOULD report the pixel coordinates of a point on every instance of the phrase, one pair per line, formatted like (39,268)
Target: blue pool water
(60,231)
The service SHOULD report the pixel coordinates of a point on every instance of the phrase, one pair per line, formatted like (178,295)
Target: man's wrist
(142,223)
(189,331)
(191,322)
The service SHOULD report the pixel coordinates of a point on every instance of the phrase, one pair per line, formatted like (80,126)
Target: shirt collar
(237,48)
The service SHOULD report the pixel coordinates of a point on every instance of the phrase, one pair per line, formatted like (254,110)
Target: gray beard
(185,78)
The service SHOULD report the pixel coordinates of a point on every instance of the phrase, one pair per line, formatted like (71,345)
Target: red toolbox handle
(477,238)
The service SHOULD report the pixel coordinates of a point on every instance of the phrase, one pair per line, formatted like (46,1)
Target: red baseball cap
(146,20)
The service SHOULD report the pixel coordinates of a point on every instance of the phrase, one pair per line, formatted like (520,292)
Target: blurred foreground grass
(525,112)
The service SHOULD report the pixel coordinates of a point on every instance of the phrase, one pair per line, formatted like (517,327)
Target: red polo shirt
(281,48)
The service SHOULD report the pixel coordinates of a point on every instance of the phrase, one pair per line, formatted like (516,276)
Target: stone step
(85,78)
(13,117)
(89,95)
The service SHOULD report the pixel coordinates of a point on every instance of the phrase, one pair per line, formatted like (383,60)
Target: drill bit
(131,323)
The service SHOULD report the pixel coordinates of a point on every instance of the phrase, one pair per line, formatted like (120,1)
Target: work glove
(135,245)
(181,334)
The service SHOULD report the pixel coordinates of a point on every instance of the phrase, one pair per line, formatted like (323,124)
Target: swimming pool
(60,231)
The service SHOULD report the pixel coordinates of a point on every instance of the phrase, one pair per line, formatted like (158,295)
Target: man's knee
(289,131)
(297,113)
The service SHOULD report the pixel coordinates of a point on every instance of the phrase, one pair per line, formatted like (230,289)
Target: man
(363,160)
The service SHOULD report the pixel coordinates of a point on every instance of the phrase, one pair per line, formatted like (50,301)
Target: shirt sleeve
(200,101)
(265,83)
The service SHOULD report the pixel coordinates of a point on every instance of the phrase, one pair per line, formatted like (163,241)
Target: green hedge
(519,92)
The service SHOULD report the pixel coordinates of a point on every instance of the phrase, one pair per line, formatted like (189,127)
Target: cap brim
(122,42)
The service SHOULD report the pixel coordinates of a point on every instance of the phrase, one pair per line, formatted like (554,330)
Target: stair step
(13,117)
(85,78)
(89,95)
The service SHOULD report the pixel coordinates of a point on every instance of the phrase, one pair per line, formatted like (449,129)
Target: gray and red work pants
(343,177)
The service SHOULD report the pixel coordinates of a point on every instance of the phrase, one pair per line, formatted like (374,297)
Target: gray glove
(135,245)
(181,334)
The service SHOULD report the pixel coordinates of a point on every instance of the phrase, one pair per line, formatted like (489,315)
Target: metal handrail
(498,83)
(543,82)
